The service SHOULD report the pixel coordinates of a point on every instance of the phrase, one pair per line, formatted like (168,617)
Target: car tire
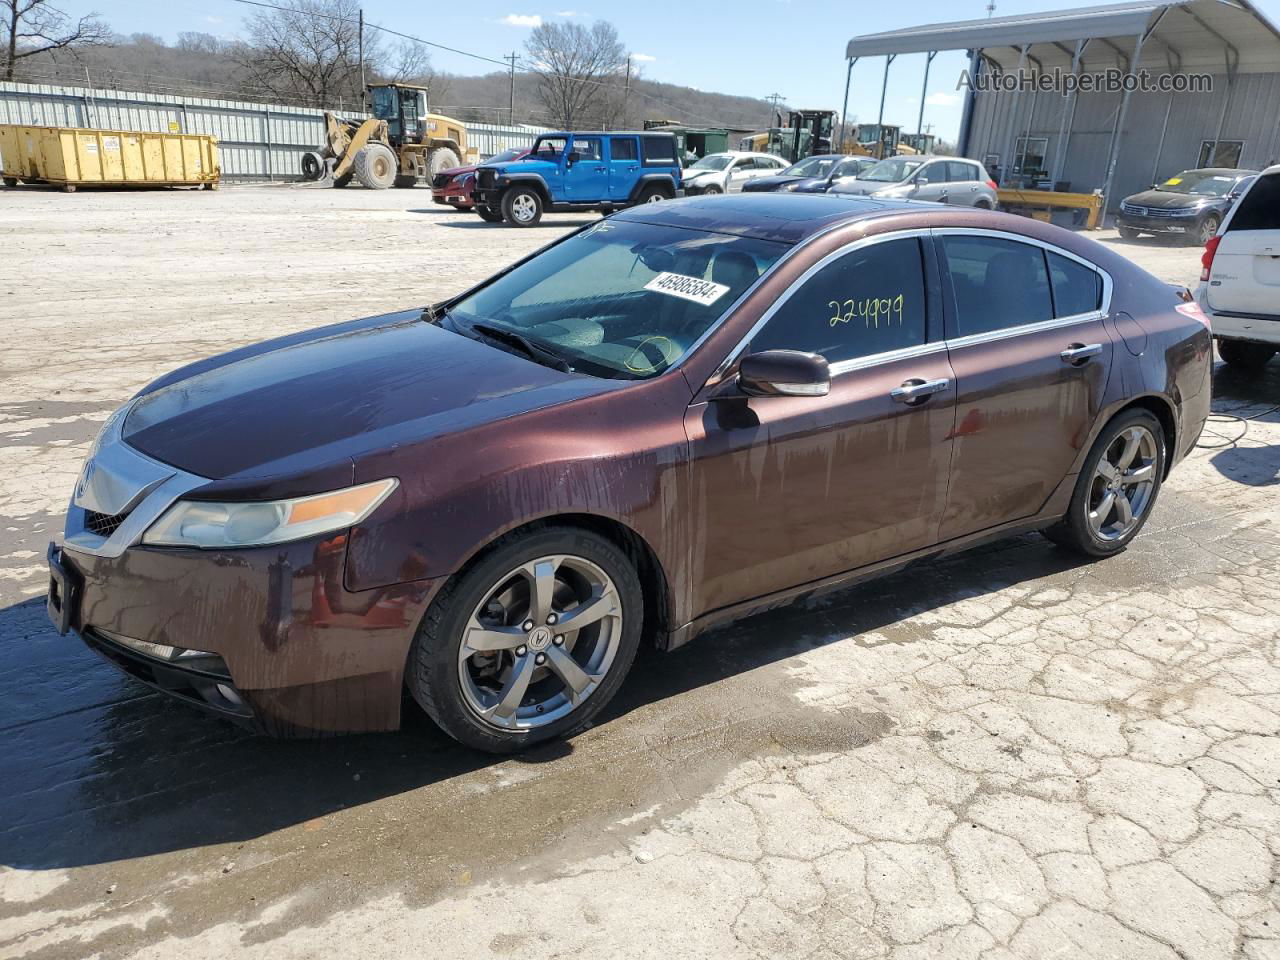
(521,206)
(982,205)
(501,700)
(375,166)
(653,194)
(1100,489)
(1205,230)
(488,215)
(312,166)
(1249,357)
(710,189)
(1128,233)
(442,158)
(407,181)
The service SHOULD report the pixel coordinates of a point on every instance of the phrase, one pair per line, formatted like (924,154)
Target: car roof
(1220,172)
(607,133)
(781,217)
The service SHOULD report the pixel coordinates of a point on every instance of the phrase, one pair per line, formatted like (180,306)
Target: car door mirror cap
(573,157)
(784,373)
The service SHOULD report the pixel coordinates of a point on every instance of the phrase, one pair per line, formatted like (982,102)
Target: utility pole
(773,100)
(511,97)
(626,94)
(362,86)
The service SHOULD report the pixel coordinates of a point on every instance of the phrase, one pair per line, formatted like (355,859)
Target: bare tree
(410,62)
(307,50)
(35,26)
(574,66)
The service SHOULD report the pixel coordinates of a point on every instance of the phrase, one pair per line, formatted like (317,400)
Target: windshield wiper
(531,349)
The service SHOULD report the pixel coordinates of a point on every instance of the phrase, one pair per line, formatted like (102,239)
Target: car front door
(586,176)
(797,489)
(1031,353)
(742,170)
(624,166)
(931,183)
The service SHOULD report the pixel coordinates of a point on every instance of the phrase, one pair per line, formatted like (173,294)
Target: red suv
(453,187)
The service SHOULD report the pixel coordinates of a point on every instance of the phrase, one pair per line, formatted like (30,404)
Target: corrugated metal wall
(255,140)
(1253,116)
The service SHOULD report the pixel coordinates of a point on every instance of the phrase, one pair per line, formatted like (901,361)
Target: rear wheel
(1117,488)
(10,181)
(406,181)
(653,194)
(375,166)
(982,205)
(487,214)
(531,642)
(441,159)
(522,206)
(1245,356)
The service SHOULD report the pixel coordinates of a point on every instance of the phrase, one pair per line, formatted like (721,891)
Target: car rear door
(1245,277)
(1031,353)
(797,489)
(624,166)
(964,183)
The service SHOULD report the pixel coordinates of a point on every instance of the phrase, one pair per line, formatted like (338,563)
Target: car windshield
(893,170)
(1199,183)
(549,148)
(621,300)
(716,161)
(812,167)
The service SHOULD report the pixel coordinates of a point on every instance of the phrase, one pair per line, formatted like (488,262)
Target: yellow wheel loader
(398,146)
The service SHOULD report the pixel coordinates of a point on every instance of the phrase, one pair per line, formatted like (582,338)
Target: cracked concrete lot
(1008,754)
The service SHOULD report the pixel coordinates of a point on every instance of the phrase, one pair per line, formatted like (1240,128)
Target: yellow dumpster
(73,157)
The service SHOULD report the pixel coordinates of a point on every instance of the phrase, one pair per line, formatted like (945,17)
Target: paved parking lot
(1006,754)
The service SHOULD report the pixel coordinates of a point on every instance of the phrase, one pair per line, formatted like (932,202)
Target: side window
(932,173)
(587,148)
(997,283)
(1076,288)
(659,151)
(1259,208)
(961,172)
(622,148)
(744,164)
(868,301)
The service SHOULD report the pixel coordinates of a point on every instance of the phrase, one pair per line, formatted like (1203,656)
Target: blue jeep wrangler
(579,171)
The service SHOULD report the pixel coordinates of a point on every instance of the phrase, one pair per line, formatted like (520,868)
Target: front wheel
(1117,488)
(531,642)
(488,214)
(713,188)
(1205,230)
(522,207)
(1128,233)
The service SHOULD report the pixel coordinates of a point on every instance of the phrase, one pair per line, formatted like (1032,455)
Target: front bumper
(293,652)
(453,196)
(1170,225)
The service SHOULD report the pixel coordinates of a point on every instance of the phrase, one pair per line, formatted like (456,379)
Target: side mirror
(784,373)
(574,157)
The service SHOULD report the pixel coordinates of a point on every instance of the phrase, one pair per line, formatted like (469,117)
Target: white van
(1240,280)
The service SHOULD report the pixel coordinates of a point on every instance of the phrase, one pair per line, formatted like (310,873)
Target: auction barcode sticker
(701,291)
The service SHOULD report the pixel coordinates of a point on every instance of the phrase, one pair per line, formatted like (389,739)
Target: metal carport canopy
(1195,32)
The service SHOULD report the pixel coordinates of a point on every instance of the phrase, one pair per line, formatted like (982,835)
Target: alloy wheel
(524,208)
(540,643)
(1123,483)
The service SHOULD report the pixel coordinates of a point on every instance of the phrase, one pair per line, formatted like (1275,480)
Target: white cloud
(942,99)
(522,20)
(643,58)
(568,13)
(212,19)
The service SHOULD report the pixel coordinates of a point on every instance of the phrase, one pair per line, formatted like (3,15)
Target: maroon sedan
(453,187)
(670,418)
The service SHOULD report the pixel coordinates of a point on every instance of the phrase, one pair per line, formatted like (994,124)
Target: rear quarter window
(1259,208)
(659,151)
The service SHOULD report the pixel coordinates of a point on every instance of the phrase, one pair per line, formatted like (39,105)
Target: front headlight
(213,526)
(462,178)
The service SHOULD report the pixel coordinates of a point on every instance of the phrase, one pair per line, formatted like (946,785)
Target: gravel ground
(1007,754)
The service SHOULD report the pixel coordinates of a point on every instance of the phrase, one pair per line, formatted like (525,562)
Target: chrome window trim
(850,247)
(888,356)
(992,335)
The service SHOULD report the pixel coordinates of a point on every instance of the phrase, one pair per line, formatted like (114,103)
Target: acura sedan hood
(772,182)
(298,403)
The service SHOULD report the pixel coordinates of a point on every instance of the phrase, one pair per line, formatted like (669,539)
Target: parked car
(1190,206)
(729,172)
(453,187)
(667,419)
(811,175)
(1240,280)
(579,171)
(938,179)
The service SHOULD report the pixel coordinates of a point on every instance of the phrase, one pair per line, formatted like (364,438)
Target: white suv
(727,172)
(1240,282)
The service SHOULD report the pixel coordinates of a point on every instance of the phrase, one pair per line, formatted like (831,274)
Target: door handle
(601,169)
(1080,352)
(916,389)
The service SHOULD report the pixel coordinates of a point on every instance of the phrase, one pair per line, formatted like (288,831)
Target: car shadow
(96,768)
(1242,399)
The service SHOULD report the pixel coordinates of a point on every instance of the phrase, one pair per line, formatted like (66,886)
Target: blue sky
(753,47)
